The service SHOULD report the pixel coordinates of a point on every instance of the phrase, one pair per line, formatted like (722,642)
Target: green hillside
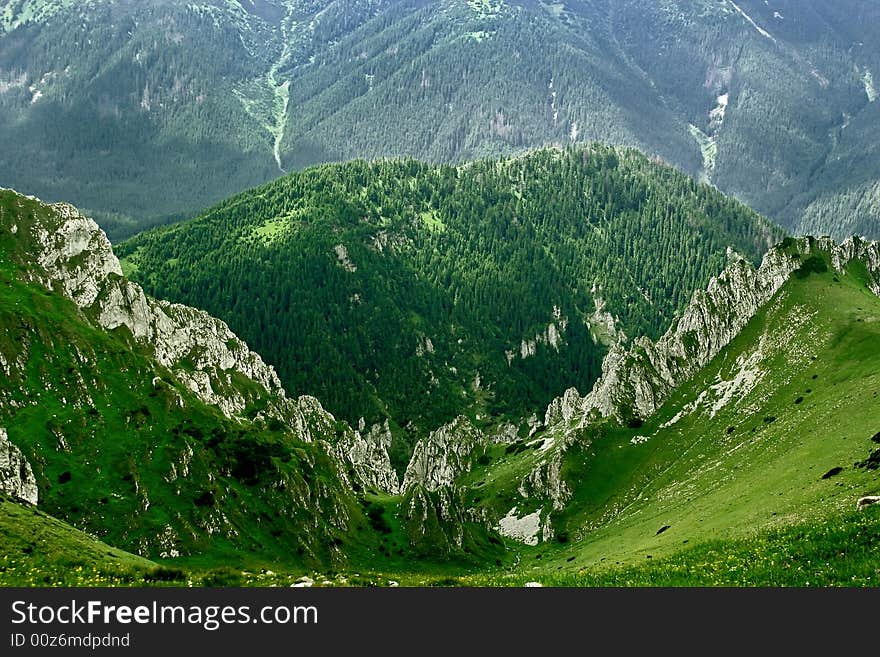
(39,550)
(376,286)
(765,452)
(748,474)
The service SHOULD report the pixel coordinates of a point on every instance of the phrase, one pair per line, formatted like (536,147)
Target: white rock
(525,530)
(16,476)
(367,454)
(76,258)
(444,455)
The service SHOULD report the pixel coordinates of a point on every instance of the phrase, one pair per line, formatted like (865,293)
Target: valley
(712,437)
(465,293)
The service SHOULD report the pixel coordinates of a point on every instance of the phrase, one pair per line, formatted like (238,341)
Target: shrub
(205,499)
(222,577)
(165,574)
(812,265)
(376,515)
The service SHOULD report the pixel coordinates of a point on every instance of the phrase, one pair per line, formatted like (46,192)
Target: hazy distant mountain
(144,110)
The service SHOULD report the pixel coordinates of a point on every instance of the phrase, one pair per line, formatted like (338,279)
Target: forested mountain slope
(143,111)
(417,292)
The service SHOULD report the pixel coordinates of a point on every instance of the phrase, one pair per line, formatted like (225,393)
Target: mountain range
(150,111)
(749,421)
(488,288)
(448,292)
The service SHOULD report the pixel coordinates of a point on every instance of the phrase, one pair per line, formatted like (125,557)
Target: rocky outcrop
(848,251)
(563,409)
(544,481)
(74,253)
(604,327)
(366,454)
(434,520)
(76,258)
(552,336)
(527,528)
(636,380)
(202,351)
(445,454)
(16,477)
(67,252)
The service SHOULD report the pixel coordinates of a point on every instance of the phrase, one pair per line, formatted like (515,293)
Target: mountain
(743,436)
(485,289)
(151,425)
(153,110)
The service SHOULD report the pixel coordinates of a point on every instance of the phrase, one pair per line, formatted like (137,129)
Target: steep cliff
(444,455)
(366,454)
(75,258)
(636,380)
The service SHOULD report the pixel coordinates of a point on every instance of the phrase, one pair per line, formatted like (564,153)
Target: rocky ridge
(636,380)
(444,455)
(200,350)
(67,252)
(367,455)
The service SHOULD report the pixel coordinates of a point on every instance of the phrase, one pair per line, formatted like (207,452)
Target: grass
(840,550)
(707,482)
(110,433)
(39,550)
(755,465)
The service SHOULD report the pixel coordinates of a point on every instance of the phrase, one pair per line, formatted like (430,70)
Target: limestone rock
(367,455)
(637,380)
(528,528)
(445,454)
(544,481)
(435,520)
(16,476)
(563,409)
(68,252)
